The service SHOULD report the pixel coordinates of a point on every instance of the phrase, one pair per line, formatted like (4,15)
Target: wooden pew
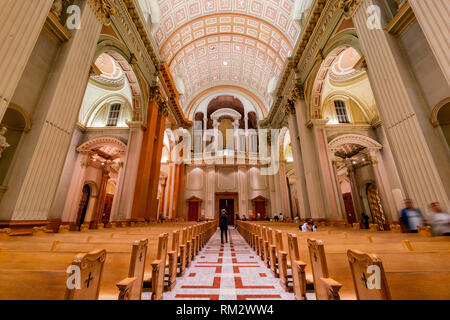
(325,288)
(298,268)
(21,284)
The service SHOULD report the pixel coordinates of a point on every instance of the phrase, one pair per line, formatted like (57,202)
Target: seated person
(308,226)
(276,218)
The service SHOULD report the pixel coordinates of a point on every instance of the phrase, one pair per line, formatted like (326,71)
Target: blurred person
(411,217)
(244,218)
(297,219)
(281,217)
(276,218)
(439,220)
(223,224)
(258,216)
(308,226)
(365,220)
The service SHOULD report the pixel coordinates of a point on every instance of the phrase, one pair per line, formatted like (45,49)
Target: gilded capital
(349,6)
(104,10)
(290,107)
(298,93)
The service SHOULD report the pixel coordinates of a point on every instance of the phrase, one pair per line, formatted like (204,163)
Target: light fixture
(225,63)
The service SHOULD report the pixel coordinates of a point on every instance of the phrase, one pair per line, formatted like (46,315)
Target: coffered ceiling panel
(208,43)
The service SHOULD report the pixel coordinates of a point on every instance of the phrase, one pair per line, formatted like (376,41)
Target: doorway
(259,206)
(349,208)
(229,202)
(82,209)
(193,206)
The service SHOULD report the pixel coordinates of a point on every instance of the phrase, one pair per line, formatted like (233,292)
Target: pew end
(360,265)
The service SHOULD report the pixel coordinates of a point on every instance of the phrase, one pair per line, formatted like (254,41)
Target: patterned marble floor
(231,271)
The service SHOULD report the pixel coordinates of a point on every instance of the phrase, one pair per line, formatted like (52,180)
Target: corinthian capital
(104,10)
(298,93)
(349,6)
(290,107)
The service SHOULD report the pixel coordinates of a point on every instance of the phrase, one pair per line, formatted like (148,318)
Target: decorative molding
(104,10)
(349,6)
(404,17)
(434,113)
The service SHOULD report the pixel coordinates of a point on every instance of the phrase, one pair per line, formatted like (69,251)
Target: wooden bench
(20,284)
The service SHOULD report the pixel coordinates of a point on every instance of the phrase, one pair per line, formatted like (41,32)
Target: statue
(3,143)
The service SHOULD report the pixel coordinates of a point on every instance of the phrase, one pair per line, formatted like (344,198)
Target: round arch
(357,139)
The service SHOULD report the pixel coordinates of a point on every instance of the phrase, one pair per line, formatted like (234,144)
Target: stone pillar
(176,187)
(73,195)
(21,24)
(152,203)
(169,201)
(97,216)
(126,190)
(301,190)
(433,17)
(328,185)
(163,183)
(284,192)
(31,198)
(316,195)
(354,187)
(210,190)
(274,207)
(144,183)
(118,189)
(243,190)
(401,109)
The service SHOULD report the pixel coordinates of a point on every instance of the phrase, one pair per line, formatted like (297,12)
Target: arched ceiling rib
(208,43)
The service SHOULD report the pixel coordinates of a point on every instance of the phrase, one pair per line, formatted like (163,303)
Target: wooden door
(193,209)
(106,214)
(349,208)
(82,209)
(260,207)
(228,205)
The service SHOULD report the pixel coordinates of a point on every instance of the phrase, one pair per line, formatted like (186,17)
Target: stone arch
(357,139)
(128,63)
(334,47)
(103,142)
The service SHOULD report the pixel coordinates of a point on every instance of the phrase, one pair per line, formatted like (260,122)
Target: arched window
(341,111)
(113,115)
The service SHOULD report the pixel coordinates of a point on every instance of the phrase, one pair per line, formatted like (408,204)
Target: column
(126,192)
(274,208)
(176,187)
(31,198)
(354,187)
(73,195)
(119,189)
(180,193)
(163,183)
(301,190)
(170,191)
(210,189)
(316,196)
(97,216)
(433,16)
(152,197)
(21,24)
(284,192)
(400,107)
(329,189)
(243,191)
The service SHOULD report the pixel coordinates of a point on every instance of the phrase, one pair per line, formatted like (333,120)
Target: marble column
(180,193)
(126,190)
(21,24)
(31,198)
(354,187)
(328,185)
(284,192)
(301,190)
(316,195)
(210,189)
(433,18)
(401,109)
(274,207)
(73,196)
(170,191)
(243,190)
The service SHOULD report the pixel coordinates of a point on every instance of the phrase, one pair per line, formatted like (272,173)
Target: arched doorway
(194,205)
(83,207)
(259,206)
(375,206)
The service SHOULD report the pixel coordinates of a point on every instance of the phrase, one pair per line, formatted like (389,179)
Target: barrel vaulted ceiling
(211,43)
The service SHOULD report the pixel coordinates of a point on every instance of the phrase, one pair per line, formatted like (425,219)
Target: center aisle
(231,271)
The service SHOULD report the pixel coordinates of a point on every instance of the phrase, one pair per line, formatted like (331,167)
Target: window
(113,116)
(341,111)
